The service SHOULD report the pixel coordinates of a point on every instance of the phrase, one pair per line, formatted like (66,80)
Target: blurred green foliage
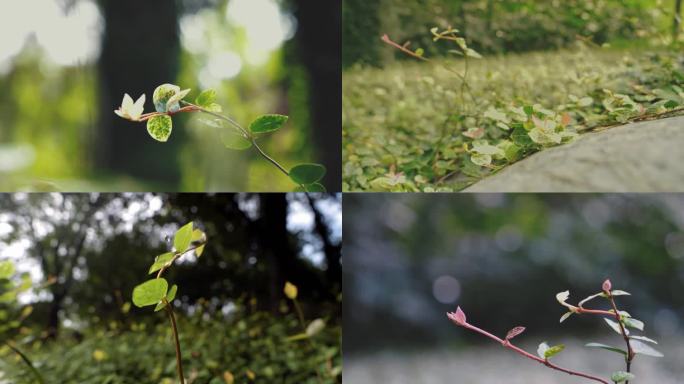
(52,112)
(247,346)
(87,252)
(496,26)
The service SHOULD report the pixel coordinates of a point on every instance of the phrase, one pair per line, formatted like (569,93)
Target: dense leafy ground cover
(241,349)
(414,126)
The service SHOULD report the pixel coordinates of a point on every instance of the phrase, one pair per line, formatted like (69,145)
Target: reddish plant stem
(179,359)
(402,48)
(630,351)
(595,312)
(547,363)
(190,108)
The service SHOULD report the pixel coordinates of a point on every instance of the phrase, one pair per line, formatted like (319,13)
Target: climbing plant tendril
(187,240)
(168,100)
(619,321)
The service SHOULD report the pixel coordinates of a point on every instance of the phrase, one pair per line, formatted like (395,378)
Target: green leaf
(606,347)
(150,292)
(643,338)
(159,127)
(172,293)
(213,107)
(621,376)
(160,261)
(160,306)
(633,323)
(618,292)
(496,115)
(585,102)
(615,326)
(671,104)
(520,137)
(552,351)
(234,140)
(307,173)
(206,98)
(472,53)
(199,237)
(6,269)
(480,159)
(162,94)
(181,240)
(644,349)
(267,123)
(512,152)
(315,187)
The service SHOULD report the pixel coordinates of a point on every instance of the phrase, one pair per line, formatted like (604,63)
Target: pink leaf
(514,332)
(565,119)
(457,317)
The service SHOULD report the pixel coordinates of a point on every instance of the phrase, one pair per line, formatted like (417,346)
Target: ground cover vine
(443,124)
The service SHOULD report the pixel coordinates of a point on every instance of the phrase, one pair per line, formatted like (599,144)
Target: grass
(404,125)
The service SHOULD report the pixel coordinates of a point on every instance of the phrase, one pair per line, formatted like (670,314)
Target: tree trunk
(333,252)
(318,40)
(140,51)
(276,246)
(53,315)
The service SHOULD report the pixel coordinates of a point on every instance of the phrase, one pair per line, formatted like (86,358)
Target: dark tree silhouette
(318,39)
(140,51)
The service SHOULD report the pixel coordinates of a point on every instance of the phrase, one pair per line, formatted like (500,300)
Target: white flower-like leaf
(173,105)
(131,110)
(562,297)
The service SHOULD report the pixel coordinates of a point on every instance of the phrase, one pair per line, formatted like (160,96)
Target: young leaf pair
(156,291)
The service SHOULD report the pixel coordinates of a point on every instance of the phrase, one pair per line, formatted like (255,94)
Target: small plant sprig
(308,331)
(169,100)
(623,320)
(156,291)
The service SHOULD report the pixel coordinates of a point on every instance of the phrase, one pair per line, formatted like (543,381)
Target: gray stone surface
(491,364)
(639,157)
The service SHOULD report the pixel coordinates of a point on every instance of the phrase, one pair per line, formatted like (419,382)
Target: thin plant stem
(176,256)
(179,362)
(246,134)
(300,315)
(545,362)
(27,361)
(630,351)
(270,159)
(172,317)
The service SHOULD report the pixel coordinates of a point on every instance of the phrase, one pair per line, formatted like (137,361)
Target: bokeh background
(501,26)
(409,259)
(65,65)
(82,254)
